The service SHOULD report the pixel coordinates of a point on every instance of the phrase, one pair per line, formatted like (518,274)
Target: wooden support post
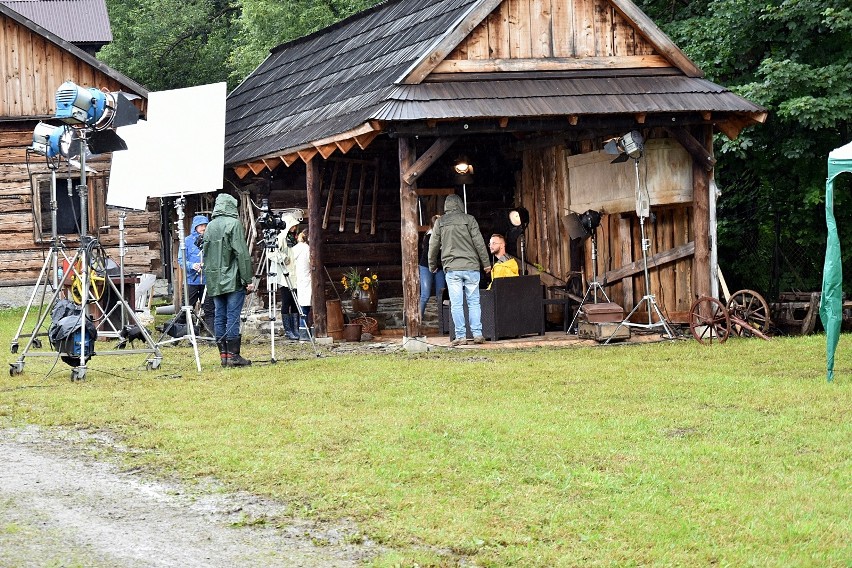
(312,181)
(408,229)
(701,219)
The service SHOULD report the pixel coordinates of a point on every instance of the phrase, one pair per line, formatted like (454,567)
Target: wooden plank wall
(33,69)
(535,29)
(543,189)
(21,256)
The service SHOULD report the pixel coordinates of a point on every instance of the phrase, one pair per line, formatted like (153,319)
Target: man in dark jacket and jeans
(227,263)
(458,243)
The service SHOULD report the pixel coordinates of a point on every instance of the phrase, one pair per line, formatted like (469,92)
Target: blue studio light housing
(84,106)
(47,139)
(73,103)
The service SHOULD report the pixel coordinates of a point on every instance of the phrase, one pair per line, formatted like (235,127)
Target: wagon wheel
(709,320)
(750,307)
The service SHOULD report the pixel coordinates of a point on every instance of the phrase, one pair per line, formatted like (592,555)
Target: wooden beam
(573,119)
(330,202)
(613,276)
(327,150)
(345,203)
(307,154)
(271,163)
(364,140)
(699,153)
(550,64)
(504,122)
(701,220)
(290,159)
(256,167)
(315,240)
(640,117)
(478,12)
(661,42)
(345,145)
(422,164)
(408,230)
(242,170)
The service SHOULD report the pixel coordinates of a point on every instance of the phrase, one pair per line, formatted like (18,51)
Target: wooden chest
(603,312)
(602,331)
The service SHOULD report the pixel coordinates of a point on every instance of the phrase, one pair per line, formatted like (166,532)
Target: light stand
(650,302)
(83,260)
(594,286)
(51,264)
(186,310)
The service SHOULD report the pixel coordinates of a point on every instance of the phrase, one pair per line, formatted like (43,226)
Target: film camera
(272,222)
(268,219)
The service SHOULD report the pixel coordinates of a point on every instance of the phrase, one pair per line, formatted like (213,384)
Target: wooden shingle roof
(432,60)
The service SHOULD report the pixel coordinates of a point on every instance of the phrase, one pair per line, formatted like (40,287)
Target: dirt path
(65,502)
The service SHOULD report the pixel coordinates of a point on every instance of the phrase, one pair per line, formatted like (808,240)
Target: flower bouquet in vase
(363,289)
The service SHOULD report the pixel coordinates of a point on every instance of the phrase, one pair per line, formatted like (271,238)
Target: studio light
(94,108)
(463,166)
(47,139)
(519,217)
(582,226)
(464,175)
(631,145)
(590,220)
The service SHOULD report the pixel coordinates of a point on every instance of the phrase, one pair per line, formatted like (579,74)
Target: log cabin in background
(361,124)
(34,63)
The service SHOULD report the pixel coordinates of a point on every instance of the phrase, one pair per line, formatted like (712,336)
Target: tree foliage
(793,57)
(167,44)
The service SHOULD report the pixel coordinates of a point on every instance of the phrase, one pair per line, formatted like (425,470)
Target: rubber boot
(289,330)
(236,360)
(224,354)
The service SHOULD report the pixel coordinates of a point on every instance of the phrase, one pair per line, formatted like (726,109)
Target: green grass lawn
(660,454)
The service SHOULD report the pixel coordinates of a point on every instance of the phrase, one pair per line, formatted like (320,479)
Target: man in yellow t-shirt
(505,264)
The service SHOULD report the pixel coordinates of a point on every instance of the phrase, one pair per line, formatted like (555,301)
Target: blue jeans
(430,283)
(463,284)
(228,309)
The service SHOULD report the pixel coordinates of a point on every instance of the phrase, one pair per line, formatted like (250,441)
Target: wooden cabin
(34,63)
(362,122)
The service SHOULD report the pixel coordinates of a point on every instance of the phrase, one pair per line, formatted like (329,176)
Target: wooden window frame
(96,202)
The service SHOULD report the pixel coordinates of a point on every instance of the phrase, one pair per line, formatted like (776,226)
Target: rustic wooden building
(34,63)
(361,123)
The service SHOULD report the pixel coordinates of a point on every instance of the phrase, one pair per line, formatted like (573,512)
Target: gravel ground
(65,501)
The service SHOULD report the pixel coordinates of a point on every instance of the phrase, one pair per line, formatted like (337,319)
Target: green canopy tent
(831,304)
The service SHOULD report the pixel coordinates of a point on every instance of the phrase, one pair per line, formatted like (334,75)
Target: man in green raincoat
(227,263)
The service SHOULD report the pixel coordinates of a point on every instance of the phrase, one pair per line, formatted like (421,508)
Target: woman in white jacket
(302,266)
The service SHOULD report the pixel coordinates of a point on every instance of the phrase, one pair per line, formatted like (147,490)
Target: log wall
(22,251)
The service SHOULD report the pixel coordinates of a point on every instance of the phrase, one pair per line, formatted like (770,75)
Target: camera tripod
(271,267)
